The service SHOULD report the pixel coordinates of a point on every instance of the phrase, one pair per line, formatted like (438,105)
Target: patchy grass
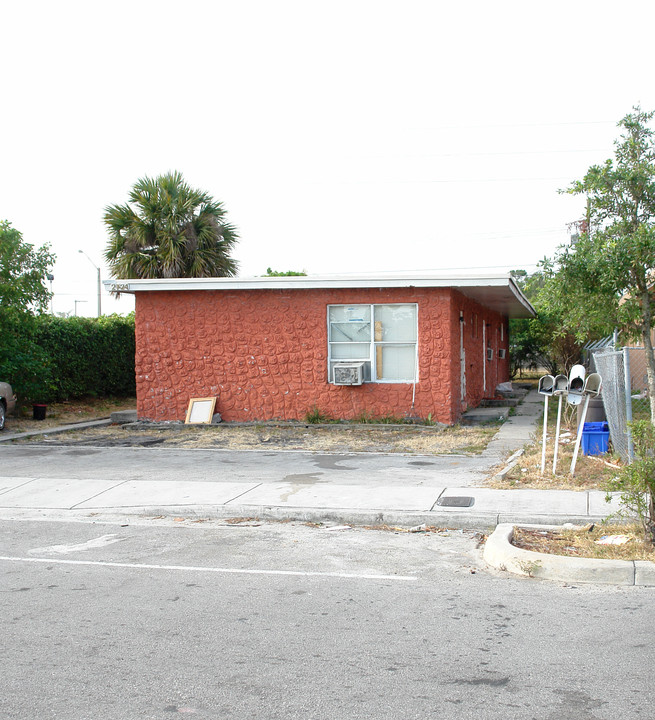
(68,412)
(581,542)
(591,472)
(381,436)
(342,438)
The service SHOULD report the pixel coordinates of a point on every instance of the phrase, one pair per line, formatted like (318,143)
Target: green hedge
(88,356)
(47,358)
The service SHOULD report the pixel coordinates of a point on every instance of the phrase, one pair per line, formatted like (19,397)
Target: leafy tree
(23,271)
(556,337)
(280,273)
(169,229)
(614,260)
(23,292)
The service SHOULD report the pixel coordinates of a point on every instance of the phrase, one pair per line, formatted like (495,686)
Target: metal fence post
(628,401)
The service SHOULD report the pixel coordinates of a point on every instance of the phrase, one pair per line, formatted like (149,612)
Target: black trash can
(38,412)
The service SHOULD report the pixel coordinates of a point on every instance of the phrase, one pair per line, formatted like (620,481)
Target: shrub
(636,482)
(51,358)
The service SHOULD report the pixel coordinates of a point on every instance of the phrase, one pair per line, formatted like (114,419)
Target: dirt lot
(313,438)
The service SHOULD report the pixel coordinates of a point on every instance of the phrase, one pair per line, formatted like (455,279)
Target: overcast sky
(342,137)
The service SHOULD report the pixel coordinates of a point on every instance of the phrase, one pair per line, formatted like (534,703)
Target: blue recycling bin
(595,438)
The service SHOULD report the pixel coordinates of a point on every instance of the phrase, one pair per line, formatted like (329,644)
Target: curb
(454,520)
(7,437)
(356,518)
(502,555)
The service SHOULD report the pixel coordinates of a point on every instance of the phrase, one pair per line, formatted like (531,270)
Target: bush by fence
(77,357)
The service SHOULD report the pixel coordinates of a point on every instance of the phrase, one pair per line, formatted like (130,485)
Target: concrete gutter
(502,555)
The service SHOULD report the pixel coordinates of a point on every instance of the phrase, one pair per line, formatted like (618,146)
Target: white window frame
(372,344)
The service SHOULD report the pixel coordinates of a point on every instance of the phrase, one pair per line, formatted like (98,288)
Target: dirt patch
(310,438)
(67,413)
(583,542)
(592,472)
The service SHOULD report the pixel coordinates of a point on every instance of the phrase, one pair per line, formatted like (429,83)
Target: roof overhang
(498,292)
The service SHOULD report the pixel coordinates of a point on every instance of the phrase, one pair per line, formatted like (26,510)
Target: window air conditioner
(348,373)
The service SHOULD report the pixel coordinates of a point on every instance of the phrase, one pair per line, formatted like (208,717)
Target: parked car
(7,402)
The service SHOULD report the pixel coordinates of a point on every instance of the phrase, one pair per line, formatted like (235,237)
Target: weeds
(636,482)
(365,417)
(582,541)
(316,417)
(529,567)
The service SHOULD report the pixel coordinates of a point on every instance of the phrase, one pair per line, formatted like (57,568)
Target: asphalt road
(156,619)
(240,466)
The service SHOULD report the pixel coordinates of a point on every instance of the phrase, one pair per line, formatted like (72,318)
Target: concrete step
(500,402)
(517,393)
(123,416)
(481,415)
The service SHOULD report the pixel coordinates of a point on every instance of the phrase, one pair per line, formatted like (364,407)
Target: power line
(450,181)
(489,154)
(513,125)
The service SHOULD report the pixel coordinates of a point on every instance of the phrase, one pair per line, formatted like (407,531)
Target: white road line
(191,568)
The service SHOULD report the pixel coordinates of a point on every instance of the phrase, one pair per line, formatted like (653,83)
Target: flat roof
(496,291)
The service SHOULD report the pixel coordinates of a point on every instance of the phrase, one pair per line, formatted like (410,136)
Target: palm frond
(169,229)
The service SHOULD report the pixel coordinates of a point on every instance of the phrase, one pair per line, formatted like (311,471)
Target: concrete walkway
(403,490)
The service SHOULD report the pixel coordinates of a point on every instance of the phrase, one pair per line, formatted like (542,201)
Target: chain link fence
(638,383)
(625,393)
(611,366)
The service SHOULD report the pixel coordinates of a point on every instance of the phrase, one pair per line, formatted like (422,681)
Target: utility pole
(99,283)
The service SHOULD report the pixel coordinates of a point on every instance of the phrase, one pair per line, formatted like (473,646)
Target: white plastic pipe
(578,440)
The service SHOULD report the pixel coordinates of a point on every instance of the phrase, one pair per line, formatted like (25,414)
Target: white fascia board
(518,294)
(308,282)
(468,284)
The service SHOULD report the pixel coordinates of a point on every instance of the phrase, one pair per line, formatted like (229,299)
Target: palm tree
(169,230)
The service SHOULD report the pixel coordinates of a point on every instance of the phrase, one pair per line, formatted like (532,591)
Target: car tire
(3,412)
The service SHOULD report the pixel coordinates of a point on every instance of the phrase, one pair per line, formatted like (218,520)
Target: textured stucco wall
(263,354)
(481,330)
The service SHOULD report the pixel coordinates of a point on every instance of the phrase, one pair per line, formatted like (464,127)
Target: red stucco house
(275,347)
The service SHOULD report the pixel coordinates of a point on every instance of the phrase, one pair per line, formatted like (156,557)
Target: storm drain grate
(456,501)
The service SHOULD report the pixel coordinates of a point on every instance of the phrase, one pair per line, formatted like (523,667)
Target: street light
(99,285)
(50,277)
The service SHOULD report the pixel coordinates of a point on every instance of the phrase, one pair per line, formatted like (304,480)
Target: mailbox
(546,385)
(576,384)
(561,385)
(593,384)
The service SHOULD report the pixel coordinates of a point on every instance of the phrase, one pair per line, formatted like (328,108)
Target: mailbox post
(591,389)
(546,388)
(560,389)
